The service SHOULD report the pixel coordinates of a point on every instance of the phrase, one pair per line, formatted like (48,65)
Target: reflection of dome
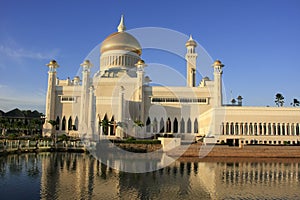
(121,41)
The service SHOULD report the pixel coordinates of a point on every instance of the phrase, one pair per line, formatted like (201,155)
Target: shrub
(134,141)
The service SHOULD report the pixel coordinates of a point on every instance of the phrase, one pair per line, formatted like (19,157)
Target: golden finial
(121,27)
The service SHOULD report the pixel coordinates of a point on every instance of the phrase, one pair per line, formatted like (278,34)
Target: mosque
(118,101)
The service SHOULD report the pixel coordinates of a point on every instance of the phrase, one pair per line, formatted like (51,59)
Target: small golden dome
(87,62)
(53,62)
(121,41)
(191,42)
(218,63)
(140,62)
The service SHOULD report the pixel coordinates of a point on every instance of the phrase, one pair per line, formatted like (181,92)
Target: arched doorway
(175,125)
(168,125)
(161,126)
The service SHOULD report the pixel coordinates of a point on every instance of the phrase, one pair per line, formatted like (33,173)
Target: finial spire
(191,38)
(121,27)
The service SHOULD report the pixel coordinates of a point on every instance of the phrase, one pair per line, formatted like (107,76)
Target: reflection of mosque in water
(81,176)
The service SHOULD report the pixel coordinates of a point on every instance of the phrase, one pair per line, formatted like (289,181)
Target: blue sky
(258,41)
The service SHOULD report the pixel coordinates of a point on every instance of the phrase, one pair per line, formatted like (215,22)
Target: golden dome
(218,63)
(140,62)
(191,42)
(53,63)
(121,41)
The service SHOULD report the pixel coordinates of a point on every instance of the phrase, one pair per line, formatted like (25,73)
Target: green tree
(279,100)
(105,123)
(138,123)
(295,103)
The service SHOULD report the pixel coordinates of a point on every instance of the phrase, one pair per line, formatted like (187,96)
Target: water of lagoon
(80,176)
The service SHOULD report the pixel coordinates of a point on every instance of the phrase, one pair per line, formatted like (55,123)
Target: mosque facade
(118,101)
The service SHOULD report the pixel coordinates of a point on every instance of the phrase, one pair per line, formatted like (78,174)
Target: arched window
(255,128)
(274,129)
(236,129)
(231,128)
(292,129)
(175,125)
(75,124)
(283,128)
(196,126)
(260,129)
(227,129)
(250,129)
(182,128)
(161,126)
(288,129)
(63,124)
(278,129)
(297,129)
(246,129)
(112,126)
(104,123)
(189,126)
(241,128)
(168,125)
(155,125)
(70,123)
(265,128)
(269,128)
(148,125)
(57,123)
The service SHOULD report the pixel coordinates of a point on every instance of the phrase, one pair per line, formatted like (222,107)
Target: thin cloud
(24,53)
(3,86)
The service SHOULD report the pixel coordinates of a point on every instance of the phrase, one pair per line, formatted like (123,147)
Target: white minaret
(91,114)
(191,58)
(121,113)
(140,65)
(217,94)
(50,99)
(84,108)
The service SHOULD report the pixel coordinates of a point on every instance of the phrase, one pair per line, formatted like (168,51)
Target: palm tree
(138,123)
(279,99)
(295,103)
(105,124)
(233,101)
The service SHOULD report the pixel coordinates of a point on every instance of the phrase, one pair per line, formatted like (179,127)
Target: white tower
(191,58)
(140,87)
(217,94)
(50,99)
(84,103)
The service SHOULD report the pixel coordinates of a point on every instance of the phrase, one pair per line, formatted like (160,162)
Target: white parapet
(169,143)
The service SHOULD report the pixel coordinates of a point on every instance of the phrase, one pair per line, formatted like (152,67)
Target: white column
(91,121)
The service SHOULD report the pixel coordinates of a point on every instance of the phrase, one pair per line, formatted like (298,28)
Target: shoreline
(196,151)
(248,151)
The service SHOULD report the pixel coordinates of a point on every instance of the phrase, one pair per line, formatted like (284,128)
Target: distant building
(120,95)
